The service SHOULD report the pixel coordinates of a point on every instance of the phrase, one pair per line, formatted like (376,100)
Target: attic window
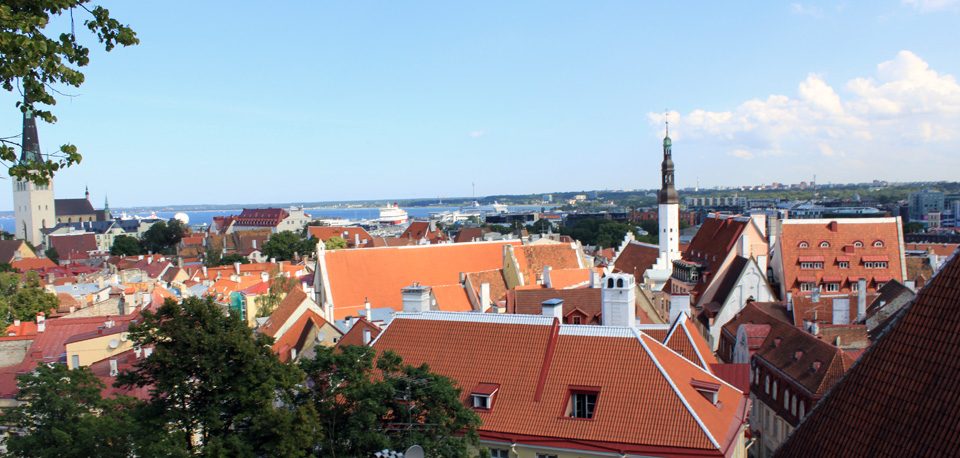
(481,397)
(824,244)
(858,244)
(803,245)
(708,390)
(815,366)
(797,355)
(878,244)
(583,402)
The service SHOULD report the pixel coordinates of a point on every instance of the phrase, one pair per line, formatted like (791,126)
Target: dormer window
(803,245)
(843,264)
(824,244)
(708,390)
(582,403)
(858,244)
(878,244)
(481,397)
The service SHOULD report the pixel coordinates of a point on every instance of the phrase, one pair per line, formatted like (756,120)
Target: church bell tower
(33,204)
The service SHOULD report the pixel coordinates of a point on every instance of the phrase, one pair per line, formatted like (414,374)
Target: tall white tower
(669,207)
(33,204)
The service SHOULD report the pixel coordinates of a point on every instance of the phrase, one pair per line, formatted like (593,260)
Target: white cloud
(806,10)
(927,6)
(901,122)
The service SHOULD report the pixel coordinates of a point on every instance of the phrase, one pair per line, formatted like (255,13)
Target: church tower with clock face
(669,206)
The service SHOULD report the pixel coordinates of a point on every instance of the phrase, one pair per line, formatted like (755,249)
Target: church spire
(668,194)
(29,141)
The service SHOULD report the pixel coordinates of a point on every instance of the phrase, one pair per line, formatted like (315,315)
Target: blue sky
(305,101)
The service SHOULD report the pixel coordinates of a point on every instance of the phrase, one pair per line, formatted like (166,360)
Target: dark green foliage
(913,227)
(5,267)
(285,245)
(502,229)
(125,245)
(163,237)
(63,416)
(541,226)
(213,258)
(366,404)
(51,254)
(22,298)
(210,375)
(36,61)
(599,232)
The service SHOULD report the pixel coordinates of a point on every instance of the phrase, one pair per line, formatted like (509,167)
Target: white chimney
(356,240)
(147,352)
(547,281)
(861,299)
(553,308)
(16,323)
(113,368)
(484,296)
(236,268)
(679,303)
(366,309)
(416,298)
(253,244)
(912,285)
(204,269)
(264,277)
(618,301)
(149,260)
(366,337)
(41,322)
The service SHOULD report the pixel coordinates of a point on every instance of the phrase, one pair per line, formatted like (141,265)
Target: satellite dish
(114,344)
(415,451)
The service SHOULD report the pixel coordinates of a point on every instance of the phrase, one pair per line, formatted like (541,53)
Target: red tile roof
(296,337)
(498,286)
(546,360)
(636,258)
(354,335)
(533,258)
(260,217)
(25,265)
(290,303)
(716,237)
(74,246)
(530,302)
(685,339)
(349,234)
(902,397)
(452,298)
(470,234)
(379,274)
(832,239)
(418,230)
(939,249)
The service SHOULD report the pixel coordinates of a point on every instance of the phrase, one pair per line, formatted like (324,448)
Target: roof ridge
(676,390)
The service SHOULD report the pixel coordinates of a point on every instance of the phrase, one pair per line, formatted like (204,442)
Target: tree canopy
(367,403)
(335,243)
(285,245)
(163,237)
(126,245)
(600,232)
(210,375)
(64,416)
(22,298)
(37,60)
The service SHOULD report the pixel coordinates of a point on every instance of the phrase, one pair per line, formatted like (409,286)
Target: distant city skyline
(338,102)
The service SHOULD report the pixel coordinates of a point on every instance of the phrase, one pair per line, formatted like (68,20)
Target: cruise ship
(392,214)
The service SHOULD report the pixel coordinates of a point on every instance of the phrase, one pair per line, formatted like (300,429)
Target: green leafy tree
(233,258)
(21,298)
(368,403)
(599,232)
(913,227)
(212,378)
(37,60)
(285,245)
(335,243)
(541,226)
(163,236)
(52,254)
(125,245)
(62,415)
(279,287)
(212,257)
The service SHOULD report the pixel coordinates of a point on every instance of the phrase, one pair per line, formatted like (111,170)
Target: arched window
(793,405)
(878,244)
(802,410)
(786,399)
(803,245)
(619,283)
(858,244)
(766,383)
(609,283)
(774,394)
(824,244)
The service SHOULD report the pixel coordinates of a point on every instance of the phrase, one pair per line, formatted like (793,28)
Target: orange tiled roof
(29,264)
(839,239)
(570,278)
(350,234)
(498,286)
(284,311)
(533,258)
(294,337)
(354,335)
(452,298)
(636,258)
(686,340)
(379,274)
(549,360)
(939,249)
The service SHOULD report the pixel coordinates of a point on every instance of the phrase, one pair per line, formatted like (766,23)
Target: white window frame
(832,287)
(481,401)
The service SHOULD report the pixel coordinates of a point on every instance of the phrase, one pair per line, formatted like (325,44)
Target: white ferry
(392,214)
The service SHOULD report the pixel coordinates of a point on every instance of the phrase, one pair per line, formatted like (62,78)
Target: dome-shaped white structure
(182,217)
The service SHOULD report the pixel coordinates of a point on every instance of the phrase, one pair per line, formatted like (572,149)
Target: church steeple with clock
(669,205)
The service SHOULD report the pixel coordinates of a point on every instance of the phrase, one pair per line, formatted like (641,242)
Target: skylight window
(824,244)
(803,245)
(583,403)
(878,244)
